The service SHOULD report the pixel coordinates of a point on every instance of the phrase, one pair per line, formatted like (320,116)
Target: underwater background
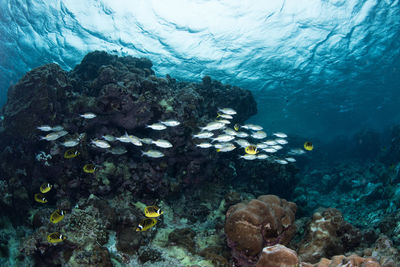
(200,133)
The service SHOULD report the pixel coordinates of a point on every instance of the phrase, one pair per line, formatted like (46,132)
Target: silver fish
(248,157)
(204,145)
(58,128)
(290,159)
(227,111)
(262,156)
(50,137)
(296,151)
(45,128)
(242,142)
(215,125)
(281,161)
(147,141)
(203,135)
(118,150)
(280,135)
(252,127)
(242,134)
(223,138)
(157,126)
(152,154)
(101,143)
(135,140)
(259,135)
(281,141)
(170,123)
(70,143)
(109,137)
(162,143)
(88,115)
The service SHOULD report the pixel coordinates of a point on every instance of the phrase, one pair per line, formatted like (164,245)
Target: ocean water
(319,71)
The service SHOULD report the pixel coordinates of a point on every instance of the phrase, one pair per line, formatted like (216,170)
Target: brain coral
(265,221)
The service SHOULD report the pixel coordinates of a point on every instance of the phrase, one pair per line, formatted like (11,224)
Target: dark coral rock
(149,254)
(350,236)
(128,240)
(38,98)
(183,237)
(232,198)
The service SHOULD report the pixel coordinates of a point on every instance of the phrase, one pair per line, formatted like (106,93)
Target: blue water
(317,68)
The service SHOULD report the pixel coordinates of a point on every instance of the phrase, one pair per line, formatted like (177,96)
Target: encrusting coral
(249,227)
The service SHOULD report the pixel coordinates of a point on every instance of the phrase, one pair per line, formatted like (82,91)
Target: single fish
(251,150)
(118,150)
(109,138)
(203,135)
(124,138)
(146,224)
(259,135)
(308,146)
(248,157)
(270,142)
(223,138)
(296,151)
(45,128)
(290,159)
(56,237)
(281,141)
(224,121)
(230,131)
(88,115)
(269,150)
(215,125)
(58,128)
(227,111)
(261,146)
(157,126)
(242,134)
(252,127)
(170,123)
(50,137)
(89,168)
(226,148)
(236,127)
(101,143)
(152,154)
(224,116)
(57,216)
(135,140)
(152,211)
(70,143)
(280,135)
(40,198)
(242,142)
(162,143)
(147,141)
(46,187)
(62,133)
(281,161)
(71,153)
(277,147)
(262,156)
(204,145)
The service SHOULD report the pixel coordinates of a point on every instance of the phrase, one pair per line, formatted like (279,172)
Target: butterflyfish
(146,224)
(40,198)
(236,127)
(56,237)
(46,187)
(152,211)
(252,150)
(71,153)
(57,216)
(308,146)
(89,168)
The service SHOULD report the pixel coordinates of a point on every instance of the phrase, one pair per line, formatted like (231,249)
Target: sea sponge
(261,222)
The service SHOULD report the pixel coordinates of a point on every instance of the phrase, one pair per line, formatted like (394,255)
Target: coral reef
(267,220)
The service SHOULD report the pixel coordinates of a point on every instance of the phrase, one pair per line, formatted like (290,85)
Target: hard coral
(250,226)
(277,255)
(322,240)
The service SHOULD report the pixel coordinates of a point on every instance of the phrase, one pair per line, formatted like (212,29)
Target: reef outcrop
(249,227)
